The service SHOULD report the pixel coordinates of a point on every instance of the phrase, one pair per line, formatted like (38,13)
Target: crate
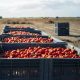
(21,69)
(64,69)
(2,37)
(14,28)
(62,29)
(8,29)
(11,46)
(47,69)
(35,31)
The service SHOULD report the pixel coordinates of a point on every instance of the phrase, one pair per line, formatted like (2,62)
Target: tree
(0,17)
(57,17)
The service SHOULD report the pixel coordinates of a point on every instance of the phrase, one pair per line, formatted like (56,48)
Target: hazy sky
(38,8)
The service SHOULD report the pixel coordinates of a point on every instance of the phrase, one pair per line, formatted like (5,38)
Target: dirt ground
(45,24)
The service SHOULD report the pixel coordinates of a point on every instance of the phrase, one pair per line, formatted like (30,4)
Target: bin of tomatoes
(18,27)
(41,52)
(28,29)
(27,40)
(22,33)
(4,36)
(27,50)
(18,60)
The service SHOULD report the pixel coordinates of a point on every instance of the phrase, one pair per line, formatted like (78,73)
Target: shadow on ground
(77,36)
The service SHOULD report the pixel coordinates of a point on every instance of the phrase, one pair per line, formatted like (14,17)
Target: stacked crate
(62,29)
(35,68)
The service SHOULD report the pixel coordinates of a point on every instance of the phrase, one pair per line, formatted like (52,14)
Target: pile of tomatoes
(22,33)
(40,52)
(27,40)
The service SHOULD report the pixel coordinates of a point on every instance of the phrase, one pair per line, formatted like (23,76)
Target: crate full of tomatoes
(37,50)
(38,61)
(26,39)
(27,30)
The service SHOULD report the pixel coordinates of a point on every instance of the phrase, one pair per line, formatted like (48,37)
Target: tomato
(20,40)
(40,52)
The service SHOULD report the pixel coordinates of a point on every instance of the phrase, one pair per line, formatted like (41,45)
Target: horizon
(42,17)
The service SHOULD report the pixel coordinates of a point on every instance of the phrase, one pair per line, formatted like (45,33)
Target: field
(47,25)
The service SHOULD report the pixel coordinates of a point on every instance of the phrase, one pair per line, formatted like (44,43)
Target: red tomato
(39,52)
(20,40)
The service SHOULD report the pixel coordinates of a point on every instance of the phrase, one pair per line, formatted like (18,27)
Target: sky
(40,8)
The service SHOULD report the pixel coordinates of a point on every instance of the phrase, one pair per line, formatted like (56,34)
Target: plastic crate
(11,46)
(64,69)
(7,29)
(47,69)
(21,69)
(40,69)
(2,37)
(14,28)
(62,29)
